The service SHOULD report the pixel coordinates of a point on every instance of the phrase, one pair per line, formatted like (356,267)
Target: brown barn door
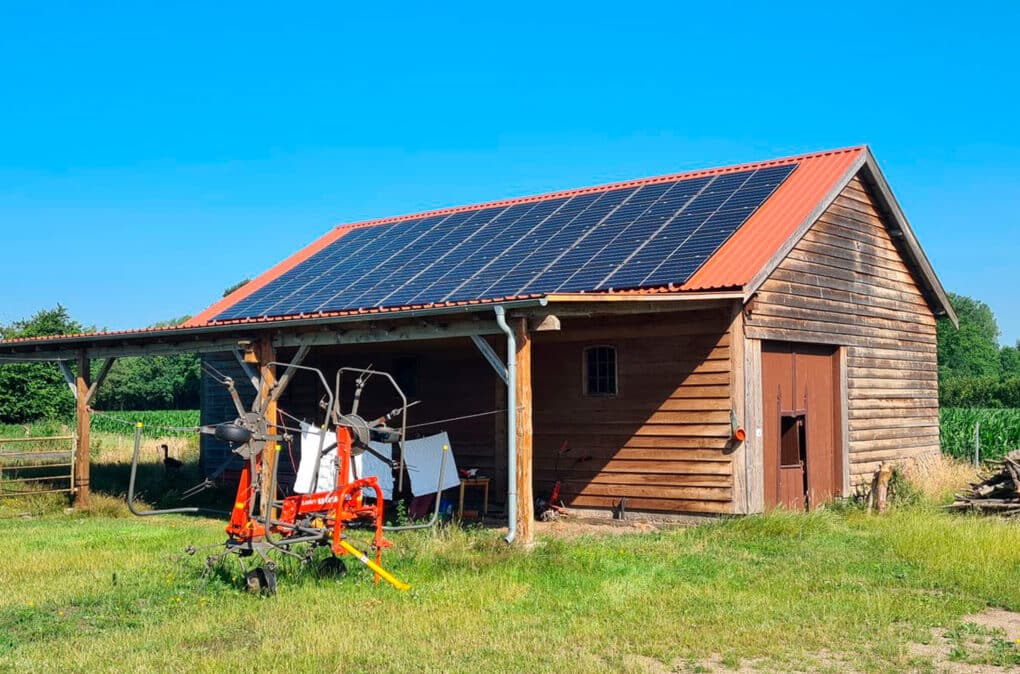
(802,426)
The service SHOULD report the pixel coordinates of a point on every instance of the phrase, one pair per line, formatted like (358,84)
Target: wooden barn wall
(216,407)
(846,283)
(662,442)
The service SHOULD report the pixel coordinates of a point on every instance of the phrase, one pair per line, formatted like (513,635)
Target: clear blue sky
(152,154)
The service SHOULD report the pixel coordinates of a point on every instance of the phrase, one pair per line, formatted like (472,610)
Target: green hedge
(1000,431)
(980,392)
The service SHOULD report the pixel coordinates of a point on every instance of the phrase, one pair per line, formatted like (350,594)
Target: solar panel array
(630,237)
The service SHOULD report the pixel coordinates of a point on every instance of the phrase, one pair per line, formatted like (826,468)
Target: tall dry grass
(938,476)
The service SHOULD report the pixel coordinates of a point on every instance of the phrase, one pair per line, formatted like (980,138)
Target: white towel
(423,458)
(328,464)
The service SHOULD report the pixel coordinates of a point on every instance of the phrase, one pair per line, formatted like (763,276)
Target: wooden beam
(525,496)
(384,332)
(81,454)
(754,450)
(246,367)
(844,416)
(267,354)
(68,377)
(491,356)
(100,378)
(125,350)
(579,309)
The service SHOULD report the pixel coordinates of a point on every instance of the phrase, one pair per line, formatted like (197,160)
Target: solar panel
(628,237)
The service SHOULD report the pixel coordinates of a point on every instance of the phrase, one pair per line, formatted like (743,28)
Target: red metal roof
(739,259)
(732,266)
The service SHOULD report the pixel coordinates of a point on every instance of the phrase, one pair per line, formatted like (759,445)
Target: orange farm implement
(261,523)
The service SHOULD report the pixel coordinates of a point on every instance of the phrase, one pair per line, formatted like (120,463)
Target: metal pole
(511,423)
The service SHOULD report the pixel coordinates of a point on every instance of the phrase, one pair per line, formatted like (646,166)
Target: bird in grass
(171,464)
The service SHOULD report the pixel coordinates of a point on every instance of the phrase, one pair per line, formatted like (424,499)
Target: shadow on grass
(159,488)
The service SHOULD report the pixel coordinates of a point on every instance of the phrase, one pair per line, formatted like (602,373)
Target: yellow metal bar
(383,573)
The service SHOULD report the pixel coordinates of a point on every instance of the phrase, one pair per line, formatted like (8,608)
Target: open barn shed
(717,341)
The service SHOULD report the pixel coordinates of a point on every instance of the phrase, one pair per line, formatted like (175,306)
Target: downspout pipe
(511,423)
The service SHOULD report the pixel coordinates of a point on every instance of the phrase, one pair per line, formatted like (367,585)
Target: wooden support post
(525,495)
(754,449)
(81,454)
(266,354)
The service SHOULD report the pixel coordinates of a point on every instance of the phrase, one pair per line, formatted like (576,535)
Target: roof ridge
(605,187)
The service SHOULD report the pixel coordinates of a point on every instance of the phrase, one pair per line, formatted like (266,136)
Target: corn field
(155,423)
(999,433)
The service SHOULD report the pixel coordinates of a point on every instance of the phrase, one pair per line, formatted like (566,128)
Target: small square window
(600,371)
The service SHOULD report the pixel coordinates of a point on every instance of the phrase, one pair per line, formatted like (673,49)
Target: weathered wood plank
(525,471)
(654,504)
(794,298)
(573,489)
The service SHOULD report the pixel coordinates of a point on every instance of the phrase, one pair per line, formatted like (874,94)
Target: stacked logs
(999,493)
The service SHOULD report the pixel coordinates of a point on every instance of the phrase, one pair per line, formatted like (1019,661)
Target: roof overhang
(408,325)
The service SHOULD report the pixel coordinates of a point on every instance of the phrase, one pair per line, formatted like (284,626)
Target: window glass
(600,370)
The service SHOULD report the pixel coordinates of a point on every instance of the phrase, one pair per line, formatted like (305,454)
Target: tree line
(974,370)
(33,391)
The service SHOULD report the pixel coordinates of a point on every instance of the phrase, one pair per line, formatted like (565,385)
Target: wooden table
(482,482)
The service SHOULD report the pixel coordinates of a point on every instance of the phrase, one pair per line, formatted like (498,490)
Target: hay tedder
(334,502)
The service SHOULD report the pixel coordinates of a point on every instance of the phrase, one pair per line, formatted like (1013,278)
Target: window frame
(615,371)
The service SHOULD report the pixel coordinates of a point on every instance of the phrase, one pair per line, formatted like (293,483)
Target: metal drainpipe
(511,423)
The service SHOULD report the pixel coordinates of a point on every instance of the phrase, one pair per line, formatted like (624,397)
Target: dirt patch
(575,527)
(998,619)
(983,643)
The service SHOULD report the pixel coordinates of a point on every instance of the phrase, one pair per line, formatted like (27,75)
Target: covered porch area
(472,368)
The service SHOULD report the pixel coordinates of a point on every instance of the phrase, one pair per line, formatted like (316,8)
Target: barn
(717,341)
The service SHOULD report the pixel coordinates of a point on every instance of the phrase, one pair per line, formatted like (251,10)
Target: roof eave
(874,175)
(49,348)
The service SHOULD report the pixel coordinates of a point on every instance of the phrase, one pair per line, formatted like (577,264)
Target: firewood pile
(997,494)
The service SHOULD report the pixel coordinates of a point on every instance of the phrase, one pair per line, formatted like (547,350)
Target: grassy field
(102,593)
(827,591)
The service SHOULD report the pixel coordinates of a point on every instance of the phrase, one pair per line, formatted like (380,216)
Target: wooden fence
(36,465)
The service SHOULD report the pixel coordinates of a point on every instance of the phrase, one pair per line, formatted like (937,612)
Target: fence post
(977,443)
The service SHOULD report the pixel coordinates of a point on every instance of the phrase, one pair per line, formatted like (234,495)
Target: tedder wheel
(331,567)
(261,581)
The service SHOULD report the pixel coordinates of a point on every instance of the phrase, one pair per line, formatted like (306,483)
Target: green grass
(1000,431)
(88,593)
